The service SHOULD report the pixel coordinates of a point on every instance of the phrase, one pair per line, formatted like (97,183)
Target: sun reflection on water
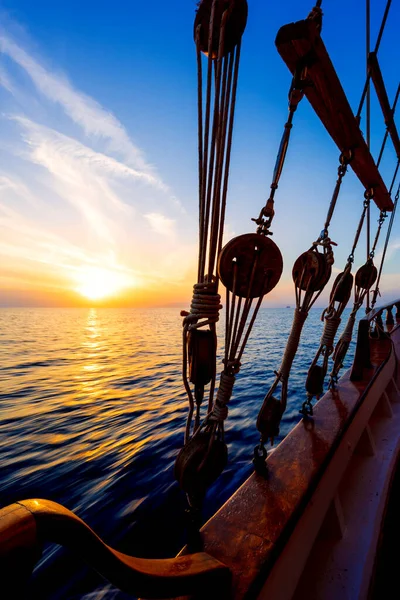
(93,408)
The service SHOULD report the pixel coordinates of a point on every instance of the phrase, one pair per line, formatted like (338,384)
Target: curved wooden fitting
(24,525)
(235,23)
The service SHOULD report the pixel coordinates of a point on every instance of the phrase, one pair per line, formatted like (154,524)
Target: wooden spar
(300,45)
(376,76)
(24,525)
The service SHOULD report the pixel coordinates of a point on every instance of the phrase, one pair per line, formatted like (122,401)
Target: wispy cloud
(81,108)
(161,224)
(76,201)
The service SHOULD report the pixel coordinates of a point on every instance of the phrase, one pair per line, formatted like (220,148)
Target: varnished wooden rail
(362,358)
(25,525)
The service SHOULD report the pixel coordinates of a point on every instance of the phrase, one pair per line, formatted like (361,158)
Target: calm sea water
(92,416)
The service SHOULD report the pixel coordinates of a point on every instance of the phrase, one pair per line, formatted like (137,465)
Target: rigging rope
(332,314)
(311,272)
(376,291)
(218,29)
(368,121)
(249,266)
(377,45)
(272,410)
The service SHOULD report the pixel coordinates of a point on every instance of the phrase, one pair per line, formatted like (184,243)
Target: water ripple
(93,412)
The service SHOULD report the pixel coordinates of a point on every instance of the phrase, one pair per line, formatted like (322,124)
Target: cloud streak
(81,108)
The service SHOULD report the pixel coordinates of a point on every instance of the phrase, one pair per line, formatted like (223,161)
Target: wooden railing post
(362,358)
(397,311)
(389,316)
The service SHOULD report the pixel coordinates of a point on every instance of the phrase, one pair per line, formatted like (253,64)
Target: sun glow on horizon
(97,283)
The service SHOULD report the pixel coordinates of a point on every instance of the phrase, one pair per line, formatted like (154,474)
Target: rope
(347,334)
(392,216)
(224,394)
(215,132)
(206,304)
(296,94)
(368,123)
(330,329)
(299,318)
(378,42)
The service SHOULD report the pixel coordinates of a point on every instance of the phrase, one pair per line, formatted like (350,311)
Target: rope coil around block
(299,318)
(224,394)
(332,323)
(205,306)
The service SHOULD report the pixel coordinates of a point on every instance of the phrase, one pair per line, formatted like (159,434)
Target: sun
(96,283)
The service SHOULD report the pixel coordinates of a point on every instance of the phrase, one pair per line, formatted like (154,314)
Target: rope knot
(205,306)
(332,322)
(220,408)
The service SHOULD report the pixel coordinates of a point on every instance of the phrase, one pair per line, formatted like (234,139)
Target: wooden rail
(267,530)
(300,45)
(362,358)
(24,526)
(258,543)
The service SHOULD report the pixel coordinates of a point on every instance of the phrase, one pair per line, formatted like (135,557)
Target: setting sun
(96,283)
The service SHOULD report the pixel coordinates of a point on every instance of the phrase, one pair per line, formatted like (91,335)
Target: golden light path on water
(93,411)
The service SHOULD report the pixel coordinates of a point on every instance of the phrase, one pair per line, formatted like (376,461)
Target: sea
(92,416)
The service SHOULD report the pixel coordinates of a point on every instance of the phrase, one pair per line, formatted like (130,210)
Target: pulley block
(250,265)
(235,24)
(202,351)
(341,289)
(311,271)
(198,464)
(269,418)
(315,380)
(366,275)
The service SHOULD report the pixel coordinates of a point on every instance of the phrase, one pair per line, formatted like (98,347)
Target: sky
(98,148)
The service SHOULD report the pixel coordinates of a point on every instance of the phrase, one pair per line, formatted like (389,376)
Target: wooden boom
(25,525)
(376,76)
(300,45)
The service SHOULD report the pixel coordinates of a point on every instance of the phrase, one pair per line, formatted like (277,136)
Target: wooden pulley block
(366,275)
(243,254)
(269,418)
(202,351)
(234,28)
(194,474)
(306,270)
(341,289)
(325,271)
(315,380)
(311,271)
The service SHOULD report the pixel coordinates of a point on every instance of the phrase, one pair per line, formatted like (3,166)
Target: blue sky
(98,145)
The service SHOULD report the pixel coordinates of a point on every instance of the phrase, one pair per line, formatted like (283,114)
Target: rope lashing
(205,306)
(366,277)
(311,272)
(364,280)
(388,234)
(218,29)
(270,414)
(339,297)
(220,408)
